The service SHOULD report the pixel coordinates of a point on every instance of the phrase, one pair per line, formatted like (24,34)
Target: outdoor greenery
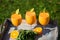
(9,6)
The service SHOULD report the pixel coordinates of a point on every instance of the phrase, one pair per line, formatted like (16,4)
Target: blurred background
(9,6)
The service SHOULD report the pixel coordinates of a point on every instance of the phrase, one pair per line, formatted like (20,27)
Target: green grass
(58,14)
(8,6)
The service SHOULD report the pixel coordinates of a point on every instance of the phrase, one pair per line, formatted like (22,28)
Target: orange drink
(16,18)
(44,18)
(30,17)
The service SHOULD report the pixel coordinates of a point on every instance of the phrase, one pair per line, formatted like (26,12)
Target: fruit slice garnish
(38,30)
(14,34)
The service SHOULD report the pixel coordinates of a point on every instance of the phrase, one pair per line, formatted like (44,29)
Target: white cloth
(52,35)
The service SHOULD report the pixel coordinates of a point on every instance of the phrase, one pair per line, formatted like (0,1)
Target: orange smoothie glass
(16,18)
(44,18)
(30,17)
